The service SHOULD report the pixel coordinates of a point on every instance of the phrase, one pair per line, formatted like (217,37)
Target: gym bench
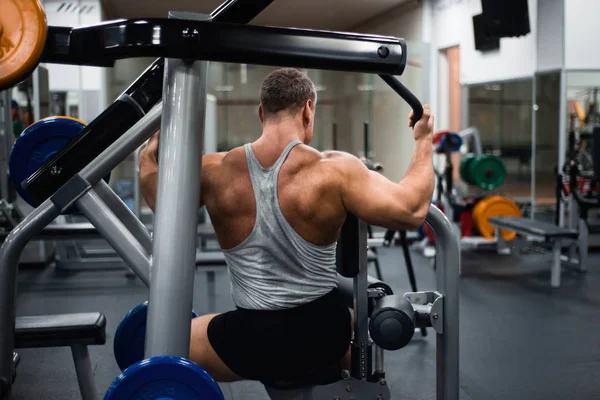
(544,232)
(77,331)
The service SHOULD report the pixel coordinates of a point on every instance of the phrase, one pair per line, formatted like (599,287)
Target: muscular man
(277,206)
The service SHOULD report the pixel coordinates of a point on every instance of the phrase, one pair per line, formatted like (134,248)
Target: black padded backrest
(60,330)
(347,257)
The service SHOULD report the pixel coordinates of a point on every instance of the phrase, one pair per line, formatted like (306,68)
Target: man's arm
(148,178)
(379,201)
(149,172)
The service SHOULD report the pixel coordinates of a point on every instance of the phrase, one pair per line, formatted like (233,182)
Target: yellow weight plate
(494,206)
(23,31)
(64,117)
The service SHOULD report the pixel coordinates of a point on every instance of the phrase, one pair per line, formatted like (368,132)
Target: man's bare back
(308,191)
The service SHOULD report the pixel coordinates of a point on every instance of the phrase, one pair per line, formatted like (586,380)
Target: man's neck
(275,136)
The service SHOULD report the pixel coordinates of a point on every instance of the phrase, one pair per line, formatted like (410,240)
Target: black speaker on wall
(506,18)
(483,41)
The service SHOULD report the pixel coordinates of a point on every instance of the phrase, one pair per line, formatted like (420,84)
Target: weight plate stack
(23,30)
(164,378)
(487,172)
(494,206)
(36,145)
(130,336)
(465,167)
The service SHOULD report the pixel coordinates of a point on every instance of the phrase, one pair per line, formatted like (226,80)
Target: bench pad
(531,227)
(60,330)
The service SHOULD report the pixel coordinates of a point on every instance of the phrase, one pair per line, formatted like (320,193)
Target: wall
(581,34)
(550,35)
(392,141)
(87,82)
(452,25)
(124,73)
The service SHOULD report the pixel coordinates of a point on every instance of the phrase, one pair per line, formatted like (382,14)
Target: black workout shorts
(281,345)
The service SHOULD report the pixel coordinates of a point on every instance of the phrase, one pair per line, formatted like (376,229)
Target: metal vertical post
(37,111)
(583,243)
(5,144)
(448,264)
(366,139)
(563,114)
(334,136)
(361,307)
(137,191)
(177,203)
(85,372)
(532,168)
(10,253)
(556,264)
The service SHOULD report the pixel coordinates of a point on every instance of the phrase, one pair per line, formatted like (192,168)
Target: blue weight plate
(36,145)
(457,139)
(130,337)
(164,378)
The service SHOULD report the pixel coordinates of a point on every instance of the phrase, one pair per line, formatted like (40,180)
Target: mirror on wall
(501,111)
(547,106)
(346,103)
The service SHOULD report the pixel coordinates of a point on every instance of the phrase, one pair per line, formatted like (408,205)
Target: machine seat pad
(531,227)
(314,377)
(60,330)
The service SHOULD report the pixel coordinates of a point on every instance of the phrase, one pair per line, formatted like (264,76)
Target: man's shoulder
(339,160)
(219,159)
(336,155)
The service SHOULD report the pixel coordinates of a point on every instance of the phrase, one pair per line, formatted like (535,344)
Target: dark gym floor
(520,339)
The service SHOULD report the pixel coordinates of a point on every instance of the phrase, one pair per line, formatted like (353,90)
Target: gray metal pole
(532,167)
(563,115)
(474,133)
(448,262)
(361,304)
(177,203)
(10,252)
(125,215)
(123,146)
(85,372)
(5,144)
(137,191)
(115,232)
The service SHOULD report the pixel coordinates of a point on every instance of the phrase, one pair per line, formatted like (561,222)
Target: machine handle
(406,94)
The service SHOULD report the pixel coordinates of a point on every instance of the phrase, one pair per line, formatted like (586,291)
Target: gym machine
(470,211)
(578,191)
(73,177)
(577,187)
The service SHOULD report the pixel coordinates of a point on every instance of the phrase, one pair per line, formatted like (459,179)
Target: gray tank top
(274,268)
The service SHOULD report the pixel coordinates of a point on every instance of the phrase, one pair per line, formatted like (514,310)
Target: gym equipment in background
(470,211)
(130,336)
(577,182)
(36,145)
(442,139)
(494,206)
(21,48)
(164,378)
(484,171)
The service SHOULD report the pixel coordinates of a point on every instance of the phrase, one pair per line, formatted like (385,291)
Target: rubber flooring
(520,339)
